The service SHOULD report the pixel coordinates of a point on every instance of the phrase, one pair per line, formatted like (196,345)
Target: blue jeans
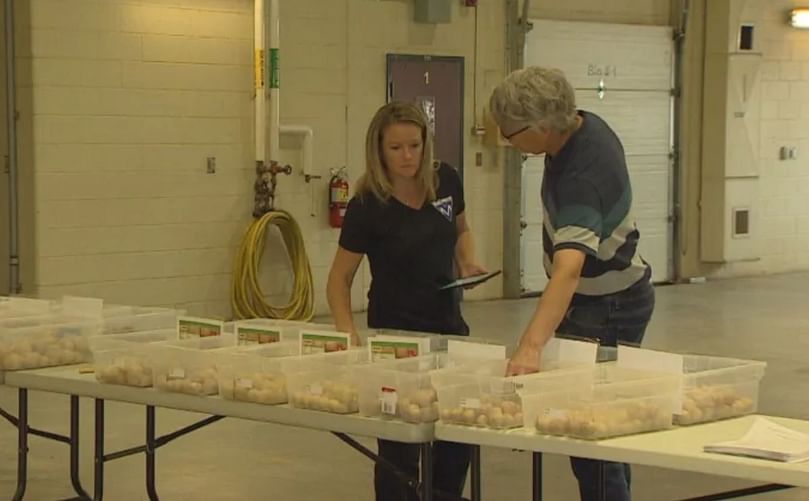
(612,319)
(450,464)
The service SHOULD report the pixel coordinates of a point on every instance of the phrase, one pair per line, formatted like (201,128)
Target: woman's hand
(471,270)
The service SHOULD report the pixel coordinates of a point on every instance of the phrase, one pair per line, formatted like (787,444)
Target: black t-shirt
(411,253)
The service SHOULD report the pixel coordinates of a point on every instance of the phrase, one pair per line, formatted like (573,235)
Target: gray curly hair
(535,96)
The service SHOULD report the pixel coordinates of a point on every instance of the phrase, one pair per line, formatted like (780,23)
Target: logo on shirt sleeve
(444,206)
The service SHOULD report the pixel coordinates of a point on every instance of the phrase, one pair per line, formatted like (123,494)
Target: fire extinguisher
(338,197)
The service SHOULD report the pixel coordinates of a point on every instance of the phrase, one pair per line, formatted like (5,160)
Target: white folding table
(679,448)
(69,381)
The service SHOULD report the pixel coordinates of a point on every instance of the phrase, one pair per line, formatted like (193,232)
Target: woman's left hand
(471,270)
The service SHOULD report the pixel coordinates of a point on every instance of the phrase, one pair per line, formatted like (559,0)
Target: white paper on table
(640,359)
(461,350)
(767,440)
(570,351)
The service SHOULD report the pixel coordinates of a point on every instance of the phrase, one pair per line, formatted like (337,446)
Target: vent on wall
(741,222)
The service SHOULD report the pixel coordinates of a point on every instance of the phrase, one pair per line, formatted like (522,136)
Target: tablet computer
(473,280)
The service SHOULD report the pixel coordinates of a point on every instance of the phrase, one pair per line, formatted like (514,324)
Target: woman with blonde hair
(408,217)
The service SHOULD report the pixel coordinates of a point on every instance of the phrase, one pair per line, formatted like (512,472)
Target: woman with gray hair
(599,285)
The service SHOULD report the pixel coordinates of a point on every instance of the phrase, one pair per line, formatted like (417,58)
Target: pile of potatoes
(198,382)
(419,406)
(605,421)
(710,403)
(492,413)
(328,396)
(260,388)
(43,351)
(127,372)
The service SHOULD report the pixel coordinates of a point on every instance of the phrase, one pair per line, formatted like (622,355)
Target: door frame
(392,58)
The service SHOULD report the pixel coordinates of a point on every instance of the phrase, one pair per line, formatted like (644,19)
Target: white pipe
(274,78)
(259,31)
(308,136)
(11,124)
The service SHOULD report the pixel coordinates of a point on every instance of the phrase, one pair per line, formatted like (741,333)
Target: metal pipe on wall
(274,25)
(679,235)
(267,41)
(512,173)
(259,31)
(11,124)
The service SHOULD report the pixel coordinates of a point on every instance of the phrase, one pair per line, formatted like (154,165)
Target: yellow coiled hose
(247,297)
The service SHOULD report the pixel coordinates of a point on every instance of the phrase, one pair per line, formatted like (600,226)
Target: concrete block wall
(127,98)
(783,230)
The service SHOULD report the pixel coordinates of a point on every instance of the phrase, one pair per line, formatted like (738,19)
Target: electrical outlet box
(433,11)
(788,153)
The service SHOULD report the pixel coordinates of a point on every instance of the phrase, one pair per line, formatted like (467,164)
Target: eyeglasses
(518,131)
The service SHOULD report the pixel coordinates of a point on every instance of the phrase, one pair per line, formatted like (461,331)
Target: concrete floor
(760,318)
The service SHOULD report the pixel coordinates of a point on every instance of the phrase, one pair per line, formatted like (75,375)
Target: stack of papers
(767,440)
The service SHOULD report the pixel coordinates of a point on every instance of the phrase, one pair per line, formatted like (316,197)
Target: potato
(12,361)
(509,421)
(22,346)
(430,414)
(509,407)
(41,345)
(345,395)
(210,386)
(709,403)
(557,425)
(423,398)
(30,360)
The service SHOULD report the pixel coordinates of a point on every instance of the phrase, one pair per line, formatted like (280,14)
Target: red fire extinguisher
(338,197)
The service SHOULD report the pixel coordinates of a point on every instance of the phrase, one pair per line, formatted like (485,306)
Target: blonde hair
(375,180)
(535,96)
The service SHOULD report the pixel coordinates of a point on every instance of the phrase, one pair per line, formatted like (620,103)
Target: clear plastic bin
(325,382)
(492,372)
(141,319)
(718,388)
(126,359)
(12,307)
(610,402)
(47,341)
(189,366)
(399,389)
(474,403)
(255,374)
(477,394)
(437,342)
